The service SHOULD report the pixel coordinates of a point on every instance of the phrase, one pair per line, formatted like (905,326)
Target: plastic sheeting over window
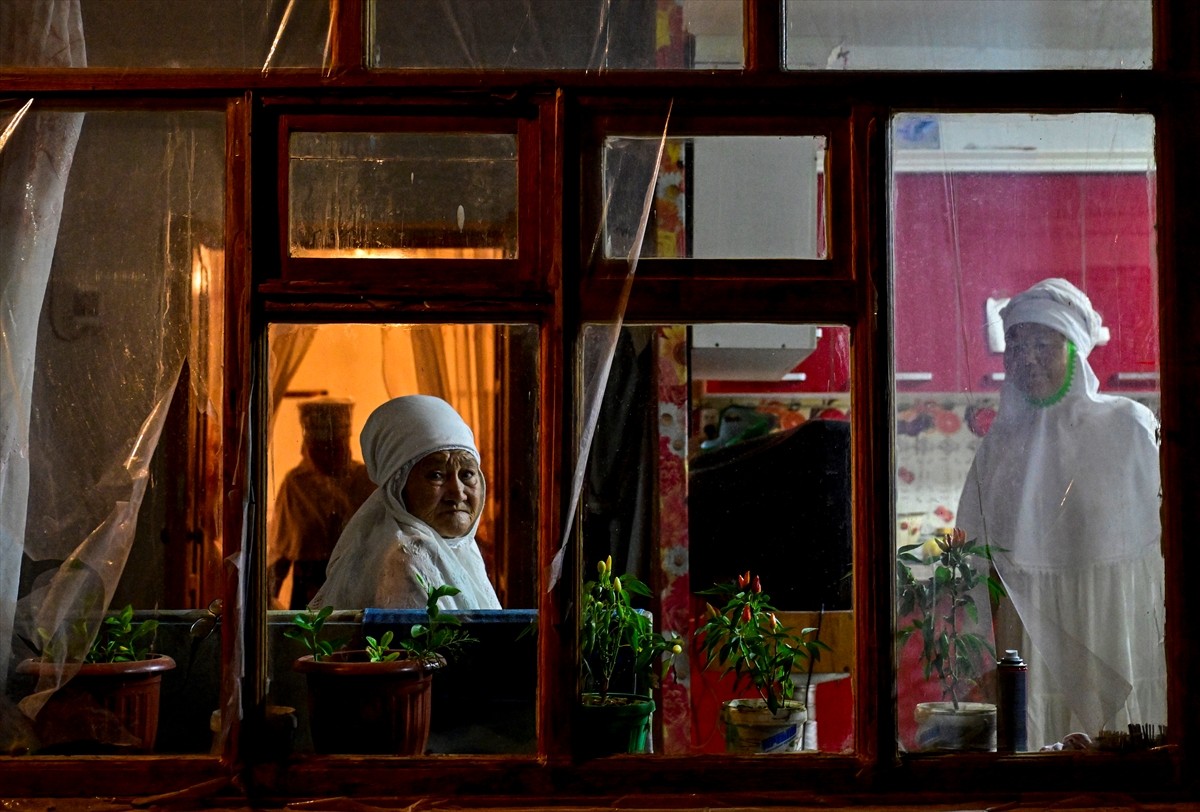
(553,34)
(967,34)
(412,195)
(235,34)
(1026,416)
(111,344)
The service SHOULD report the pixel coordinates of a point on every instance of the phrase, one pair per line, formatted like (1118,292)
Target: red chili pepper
(742,579)
(757,585)
(746,614)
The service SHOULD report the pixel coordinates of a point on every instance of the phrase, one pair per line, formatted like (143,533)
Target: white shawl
(384,547)
(1068,498)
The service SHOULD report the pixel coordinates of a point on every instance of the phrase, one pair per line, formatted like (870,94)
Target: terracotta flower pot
(750,727)
(111,705)
(357,706)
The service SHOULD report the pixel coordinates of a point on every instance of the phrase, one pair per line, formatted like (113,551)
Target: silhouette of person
(316,499)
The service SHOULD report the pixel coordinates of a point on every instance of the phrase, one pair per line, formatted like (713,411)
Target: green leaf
(635,586)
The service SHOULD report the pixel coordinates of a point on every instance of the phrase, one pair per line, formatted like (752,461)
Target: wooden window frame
(557,292)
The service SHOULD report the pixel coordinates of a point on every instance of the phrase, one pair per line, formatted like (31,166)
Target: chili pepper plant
(745,637)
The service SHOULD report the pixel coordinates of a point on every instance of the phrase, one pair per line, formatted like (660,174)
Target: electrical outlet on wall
(74,310)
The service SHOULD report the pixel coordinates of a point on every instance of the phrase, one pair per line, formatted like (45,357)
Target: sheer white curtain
(289,345)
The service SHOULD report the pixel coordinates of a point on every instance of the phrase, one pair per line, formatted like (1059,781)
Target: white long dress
(1068,497)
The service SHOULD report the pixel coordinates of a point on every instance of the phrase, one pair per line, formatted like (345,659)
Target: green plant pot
(357,706)
(751,728)
(970,726)
(621,725)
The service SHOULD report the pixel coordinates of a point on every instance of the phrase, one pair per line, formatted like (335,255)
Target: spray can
(1011,734)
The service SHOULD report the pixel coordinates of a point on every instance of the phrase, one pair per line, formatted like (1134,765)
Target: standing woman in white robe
(421,520)
(1065,490)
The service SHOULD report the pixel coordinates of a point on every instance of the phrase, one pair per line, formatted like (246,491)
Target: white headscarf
(1067,496)
(1059,305)
(384,547)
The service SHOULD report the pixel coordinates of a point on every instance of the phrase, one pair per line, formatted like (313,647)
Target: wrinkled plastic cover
(104,297)
(625,209)
(592,35)
(155,34)
(108,251)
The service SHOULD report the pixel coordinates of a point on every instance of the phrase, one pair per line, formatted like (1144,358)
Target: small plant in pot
(745,638)
(619,649)
(111,701)
(942,608)
(376,699)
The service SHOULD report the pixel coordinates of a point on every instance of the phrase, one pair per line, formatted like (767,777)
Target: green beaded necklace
(1042,403)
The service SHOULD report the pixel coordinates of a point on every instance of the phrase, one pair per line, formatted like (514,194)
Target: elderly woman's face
(445,490)
(1035,359)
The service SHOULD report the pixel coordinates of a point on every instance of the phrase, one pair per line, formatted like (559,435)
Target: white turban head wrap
(402,431)
(1059,305)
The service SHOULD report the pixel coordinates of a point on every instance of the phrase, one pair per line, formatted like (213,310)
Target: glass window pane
(552,34)
(344,415)
(703,434)
(247,34)
(111,273)
(418,195)
(717,197)
(967,34)
(1026,356)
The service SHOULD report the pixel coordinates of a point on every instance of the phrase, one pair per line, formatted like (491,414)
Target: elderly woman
(422,519)
(1065,490)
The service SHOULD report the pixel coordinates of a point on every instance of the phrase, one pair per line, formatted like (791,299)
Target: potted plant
(618,649)
(942,609)
(376,699)
(746,638)
(111,701)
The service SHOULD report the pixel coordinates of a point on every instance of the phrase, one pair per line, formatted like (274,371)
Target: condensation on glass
(236,34)
(402,195)
(720,449)
(968,34)
(325,380)
(555,35)
(111,483)
(1025,330)
(717,197)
